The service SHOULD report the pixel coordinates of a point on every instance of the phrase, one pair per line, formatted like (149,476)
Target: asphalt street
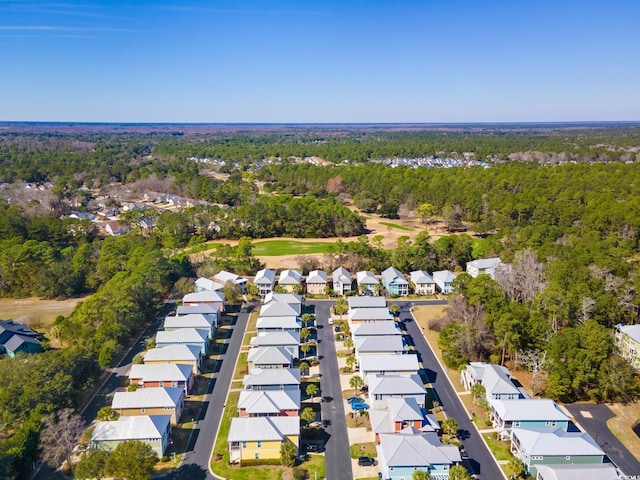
(593,418)
(337,455)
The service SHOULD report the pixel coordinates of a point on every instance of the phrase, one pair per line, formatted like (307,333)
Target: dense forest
(568,230)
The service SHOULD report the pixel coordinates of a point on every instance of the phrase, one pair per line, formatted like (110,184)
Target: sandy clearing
(38,314)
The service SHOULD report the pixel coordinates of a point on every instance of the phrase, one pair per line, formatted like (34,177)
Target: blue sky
(320,61)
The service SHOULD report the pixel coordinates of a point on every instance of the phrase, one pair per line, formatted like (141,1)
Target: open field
(38,314)
(395,225)
(276,248)
(625,425)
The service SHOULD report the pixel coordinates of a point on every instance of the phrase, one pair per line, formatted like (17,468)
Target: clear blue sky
(320,61)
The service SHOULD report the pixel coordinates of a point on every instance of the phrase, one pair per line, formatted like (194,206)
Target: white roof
(269,402)
(272,376)
(277,338)
(395,385)
(379,344)
(224,277)
(191,320)
(528,409)
(208,285)
(275,309)
(265,277)
(203,297)
(420,277)
(366,277)
(270,356)
(138,427)
(182,335)
(278,323)
(290,277)
(444,276)
(202,308)
(496,380)
(545,441)
(161,372)
(341,275)
(391,362)
(401,410)
(173,353)
(290,298)
(381,328)
(363,301)
(154,397)
(484,263)
(408,450)
(381,313)
(247,429)
(592,471)
(392,274)
(632,330)
(317,276)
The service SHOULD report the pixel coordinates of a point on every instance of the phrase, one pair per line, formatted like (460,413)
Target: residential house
(359,315)
(485,266)
(385,364)
(399,455)
(341,281)
(377,344)
(203,284)
(197,337)
(396,414)
(288,340)
(268,403)
(317,282)
(423,283)
(198,321)
(293,299)
(114,228)
(385,329)
(276,309)
(150,401)
(290,280)
(627,341)
(257,438)
(203,308)
(179,354)
(495,379)
(272,379)
(162,375)
(598,471)
(384,387)
(222,277)
(213,298)
(367,283)
(279,324)
(395,282)
(269,357)
(17,338)
(362,301)
(444,280)
(265,280)
(548,446)
(155,430)
(526,413)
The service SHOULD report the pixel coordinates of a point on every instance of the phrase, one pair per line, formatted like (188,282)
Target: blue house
(400,454)
(17,338)
(395,283)
(526,413)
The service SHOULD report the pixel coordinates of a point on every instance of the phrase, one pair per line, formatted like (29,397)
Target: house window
(256,456)
(142,410)
(551,423)
(516,423)
(568,457)
(259,443)
(244,444)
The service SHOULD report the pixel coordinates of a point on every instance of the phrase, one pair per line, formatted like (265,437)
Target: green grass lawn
(395,225)
(358,450)
(276,248)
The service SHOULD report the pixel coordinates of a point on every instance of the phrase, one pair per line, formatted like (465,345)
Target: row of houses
(269,404)
(542,436)
(164,379)
(406,436)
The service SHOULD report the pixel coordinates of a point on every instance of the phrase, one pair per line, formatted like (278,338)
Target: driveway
(593,419)
(337,456)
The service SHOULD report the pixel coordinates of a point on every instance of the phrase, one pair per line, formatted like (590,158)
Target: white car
(330,320)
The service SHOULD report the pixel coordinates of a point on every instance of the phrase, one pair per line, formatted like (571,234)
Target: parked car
(336,329)
(313,448)
(359,406)
(350,400)
(366,462)
(330,320)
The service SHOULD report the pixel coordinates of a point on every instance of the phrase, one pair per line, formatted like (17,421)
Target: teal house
(17,338)
(395,282)
(526,413)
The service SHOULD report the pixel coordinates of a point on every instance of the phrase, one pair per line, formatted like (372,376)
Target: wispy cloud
(185,8)
(58,28)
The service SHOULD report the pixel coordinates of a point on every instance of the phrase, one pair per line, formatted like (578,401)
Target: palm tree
(304,367)
(356,383)
(351,362)
(312,390)
(348,343)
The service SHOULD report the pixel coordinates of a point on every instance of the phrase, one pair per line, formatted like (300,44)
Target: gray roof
(632,330)
(154,397)
(528,409)
(202,308)
(161,372)
(223,277)
(408,450)
(269,402)
(393,275)
(444,276)
(496,380)
(395,385)
(265,277)
(420,277)
(182,335)
(593,471)
(317,276)
(546,441)
(366,302)
(138,427)
(290,298)
(401,410)
(282,323)
(269,356)
(247,429)
(379,343)
(191,320)
(484,263)
(381,313)
(208,285)
(277,338)
(14,334)
(390,362)
(380,328)
(341,275)
(272,376)
(290,277)
(366,277)
(279,310)
(173,353)
(205,296)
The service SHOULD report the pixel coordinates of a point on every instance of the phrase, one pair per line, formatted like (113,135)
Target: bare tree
(587,304)
(535,361)
(524,279)
(59,435)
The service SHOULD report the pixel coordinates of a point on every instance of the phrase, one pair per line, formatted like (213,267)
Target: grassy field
(276,248)
(38,314)
(395,225)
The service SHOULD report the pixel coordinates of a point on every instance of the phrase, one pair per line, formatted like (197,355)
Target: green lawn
(395,225)
(358,450)
(276,248)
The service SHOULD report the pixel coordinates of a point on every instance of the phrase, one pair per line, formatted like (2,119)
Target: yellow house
(150,401)
(627,341)
(179,354)
(255,438)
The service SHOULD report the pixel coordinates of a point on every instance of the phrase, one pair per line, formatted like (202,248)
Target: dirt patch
(625,425)
(36,313)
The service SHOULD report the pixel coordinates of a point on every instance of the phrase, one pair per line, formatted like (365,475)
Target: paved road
(337,455)
(596,426)
(480,459)
(204,435)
